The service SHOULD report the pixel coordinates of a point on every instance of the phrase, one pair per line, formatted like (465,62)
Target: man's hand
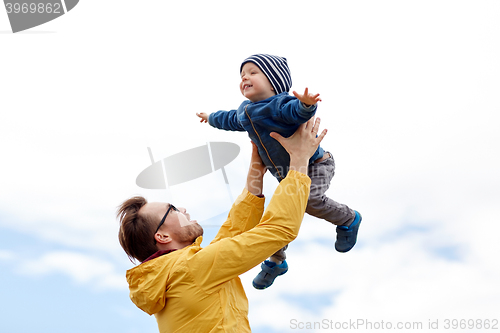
(307,98)
(203,116)
(302,144)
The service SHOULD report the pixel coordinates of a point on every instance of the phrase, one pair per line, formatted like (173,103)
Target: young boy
(265,82)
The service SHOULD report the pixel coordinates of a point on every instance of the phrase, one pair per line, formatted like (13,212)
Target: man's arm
(249,206)
(255,178)
(229,257)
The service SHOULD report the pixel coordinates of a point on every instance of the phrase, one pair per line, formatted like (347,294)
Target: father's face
(177,223)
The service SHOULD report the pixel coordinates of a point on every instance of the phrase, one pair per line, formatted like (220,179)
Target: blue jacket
(281,113)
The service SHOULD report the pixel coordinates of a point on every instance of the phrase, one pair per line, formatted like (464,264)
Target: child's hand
(203,116)
(308,99)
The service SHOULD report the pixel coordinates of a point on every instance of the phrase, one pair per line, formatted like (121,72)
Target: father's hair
(136,232)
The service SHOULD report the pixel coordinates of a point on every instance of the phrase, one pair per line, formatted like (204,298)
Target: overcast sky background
(410,98)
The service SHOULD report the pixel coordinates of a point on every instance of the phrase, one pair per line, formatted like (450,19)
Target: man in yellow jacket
(193,289)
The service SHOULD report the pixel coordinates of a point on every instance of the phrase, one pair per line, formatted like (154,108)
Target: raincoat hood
(148,281)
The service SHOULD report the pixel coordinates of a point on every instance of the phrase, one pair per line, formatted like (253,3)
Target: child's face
(254,83)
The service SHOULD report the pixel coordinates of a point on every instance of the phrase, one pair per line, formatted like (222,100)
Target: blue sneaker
(347,236)
(269,272)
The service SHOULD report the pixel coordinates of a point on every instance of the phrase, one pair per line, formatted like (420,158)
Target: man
(194,289)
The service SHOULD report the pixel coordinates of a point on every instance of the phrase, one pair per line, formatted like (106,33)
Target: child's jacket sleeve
(294,112)
(226,120)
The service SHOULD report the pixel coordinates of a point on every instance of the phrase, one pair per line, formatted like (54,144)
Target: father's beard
(189,233)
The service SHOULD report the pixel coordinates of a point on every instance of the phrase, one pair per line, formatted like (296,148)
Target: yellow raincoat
(197,289)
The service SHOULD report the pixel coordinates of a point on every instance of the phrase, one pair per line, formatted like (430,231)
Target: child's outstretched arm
(307,98)
(226,120)
(203,116)
(299,110)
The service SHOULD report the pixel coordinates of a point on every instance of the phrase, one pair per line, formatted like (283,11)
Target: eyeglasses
(165,216)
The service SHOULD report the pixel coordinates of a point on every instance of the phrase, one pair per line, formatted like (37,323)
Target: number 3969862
(32,8)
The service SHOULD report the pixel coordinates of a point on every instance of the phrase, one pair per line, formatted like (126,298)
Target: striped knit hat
(275,68)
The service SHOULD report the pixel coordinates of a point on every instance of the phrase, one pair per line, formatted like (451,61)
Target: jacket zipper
(270,159)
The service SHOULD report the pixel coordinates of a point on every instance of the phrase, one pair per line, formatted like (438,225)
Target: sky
(410,98)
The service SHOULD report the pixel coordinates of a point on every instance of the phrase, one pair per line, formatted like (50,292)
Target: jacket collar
(158,254)
(163,252)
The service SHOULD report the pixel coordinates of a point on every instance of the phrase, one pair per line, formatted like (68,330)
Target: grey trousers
(319,205)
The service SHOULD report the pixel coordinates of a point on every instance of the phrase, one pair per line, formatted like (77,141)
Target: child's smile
(254,83)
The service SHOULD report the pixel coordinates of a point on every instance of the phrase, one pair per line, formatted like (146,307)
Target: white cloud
(81,268)
(6,255)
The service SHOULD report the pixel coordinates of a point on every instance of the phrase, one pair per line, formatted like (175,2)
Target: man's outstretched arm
(249,206)
(227,258)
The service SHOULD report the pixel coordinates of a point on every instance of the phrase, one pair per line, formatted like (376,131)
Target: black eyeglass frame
(165,216)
